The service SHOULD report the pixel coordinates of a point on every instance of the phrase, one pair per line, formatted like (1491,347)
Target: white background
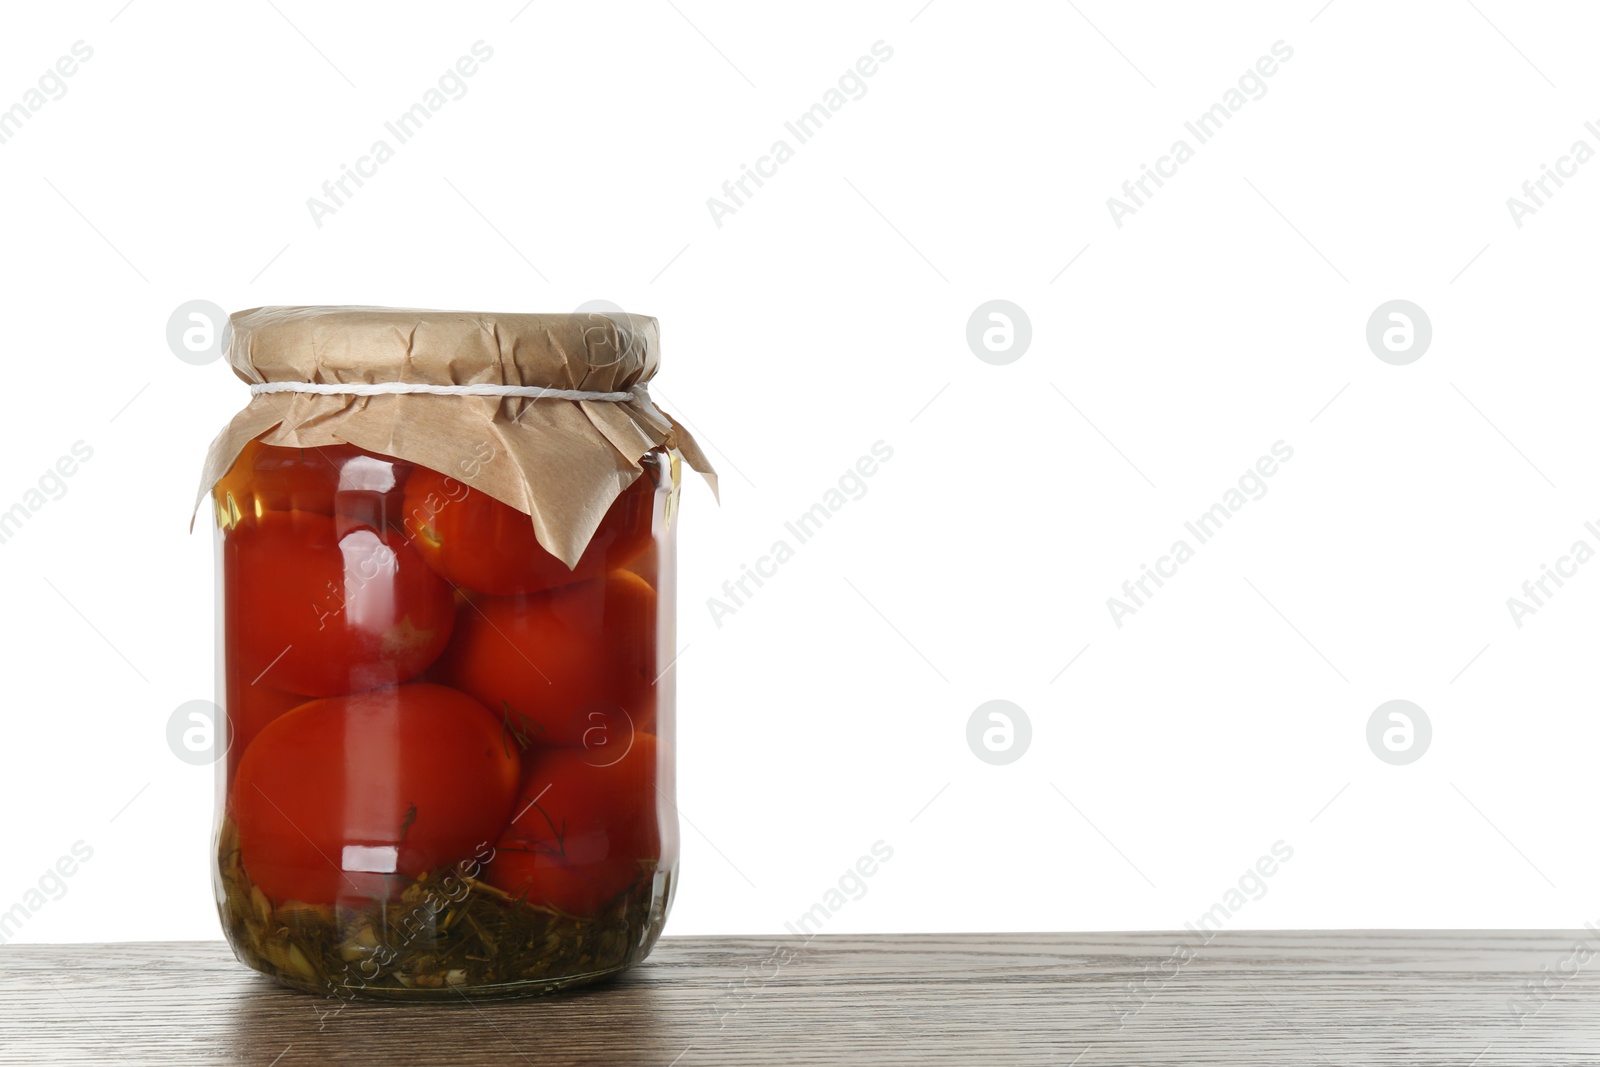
(829,312)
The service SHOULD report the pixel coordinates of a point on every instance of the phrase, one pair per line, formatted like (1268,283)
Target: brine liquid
(449,760)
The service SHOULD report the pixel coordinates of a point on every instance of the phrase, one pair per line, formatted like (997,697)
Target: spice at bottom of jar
(447,935)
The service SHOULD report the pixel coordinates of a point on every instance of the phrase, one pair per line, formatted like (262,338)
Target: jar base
(514,990)
(448,936)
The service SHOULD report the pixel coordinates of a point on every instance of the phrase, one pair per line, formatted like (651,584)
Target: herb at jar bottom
(448,934)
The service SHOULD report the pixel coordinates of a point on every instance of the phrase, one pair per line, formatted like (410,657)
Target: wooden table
(1058,999)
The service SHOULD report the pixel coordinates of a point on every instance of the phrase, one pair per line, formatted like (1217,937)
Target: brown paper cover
(562,462)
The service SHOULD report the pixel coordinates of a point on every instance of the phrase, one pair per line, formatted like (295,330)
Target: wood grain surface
(1479,998)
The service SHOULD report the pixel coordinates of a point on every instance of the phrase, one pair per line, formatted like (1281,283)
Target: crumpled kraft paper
(562,462)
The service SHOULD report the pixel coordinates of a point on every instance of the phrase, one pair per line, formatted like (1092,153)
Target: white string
(535,392)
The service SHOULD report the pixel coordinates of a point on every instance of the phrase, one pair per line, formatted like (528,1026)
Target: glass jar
(448,760)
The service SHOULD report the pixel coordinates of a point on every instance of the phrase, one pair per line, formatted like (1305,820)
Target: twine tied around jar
(534,392)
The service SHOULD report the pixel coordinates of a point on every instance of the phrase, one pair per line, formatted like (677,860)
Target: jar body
(448,764)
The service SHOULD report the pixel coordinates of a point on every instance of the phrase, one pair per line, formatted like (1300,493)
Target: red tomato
(573,666)
(583,832)
(476,541)
(318,610)
(355,796)
(332,479)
